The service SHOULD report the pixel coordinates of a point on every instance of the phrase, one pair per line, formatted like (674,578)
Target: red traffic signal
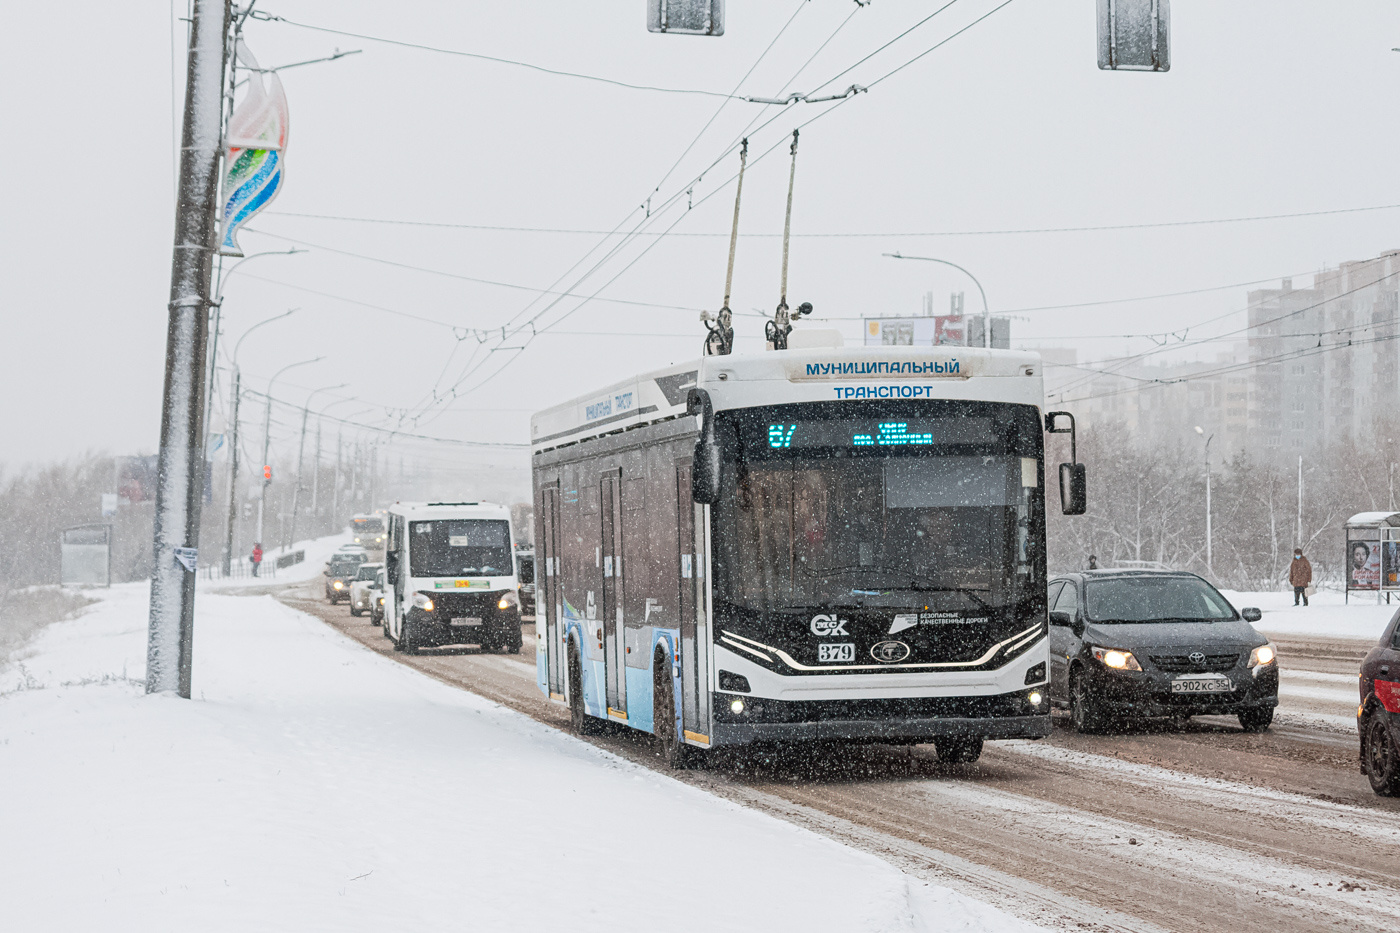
(267,473)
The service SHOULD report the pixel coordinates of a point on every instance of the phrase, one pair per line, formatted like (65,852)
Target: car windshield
(458,547)
(344,568)
(1155,599)
(938,508)
(367,572)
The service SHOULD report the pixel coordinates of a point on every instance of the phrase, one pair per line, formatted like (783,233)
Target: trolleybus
(801,545)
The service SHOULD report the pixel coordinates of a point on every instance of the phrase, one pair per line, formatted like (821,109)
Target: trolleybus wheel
(580,723)
(673,752)
(1084,710)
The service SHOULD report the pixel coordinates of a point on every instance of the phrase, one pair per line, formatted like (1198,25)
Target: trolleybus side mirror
(1074,495)
(704,464)
(1073,489)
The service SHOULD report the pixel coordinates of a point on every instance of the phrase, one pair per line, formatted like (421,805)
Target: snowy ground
(1328,615)
(311,784)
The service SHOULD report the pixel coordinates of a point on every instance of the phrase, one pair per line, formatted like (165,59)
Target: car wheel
(1084,710)
(354,611)
(958,750)
(1381,758)
(580,723)
(669,747)
(1256,720)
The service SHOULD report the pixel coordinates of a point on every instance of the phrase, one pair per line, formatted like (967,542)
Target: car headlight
(381,600)
(1117,659)
(423,601)
(338,585)
(1262,656)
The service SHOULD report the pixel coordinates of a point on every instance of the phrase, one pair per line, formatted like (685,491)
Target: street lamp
(1202,431)
(316,470)
(218,304)
(267,438)
(301,450)
(233,446)
(986,315)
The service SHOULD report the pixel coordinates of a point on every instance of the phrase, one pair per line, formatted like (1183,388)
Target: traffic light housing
(267,474)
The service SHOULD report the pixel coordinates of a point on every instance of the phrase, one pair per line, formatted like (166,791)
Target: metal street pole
(267,441)
(335,486)
(291,537)
(1209,566)
(986,315)
(180,479)
(232,478)
(316,476)
(233,461)
(218,305)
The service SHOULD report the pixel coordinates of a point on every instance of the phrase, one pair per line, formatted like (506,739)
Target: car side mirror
(1251,614)
(704,463)
(1060,617)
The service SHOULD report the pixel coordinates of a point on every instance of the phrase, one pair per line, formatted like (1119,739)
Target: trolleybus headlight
(1262,656)
(736,707)
(423,601)
(1116,659)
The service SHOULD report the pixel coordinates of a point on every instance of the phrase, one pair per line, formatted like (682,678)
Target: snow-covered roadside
(318,551)
(314,785)
(1328,615)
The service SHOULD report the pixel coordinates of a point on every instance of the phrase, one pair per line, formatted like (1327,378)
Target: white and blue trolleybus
(798,546)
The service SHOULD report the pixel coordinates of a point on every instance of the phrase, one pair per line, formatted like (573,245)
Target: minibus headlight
(507,601)
(423,601)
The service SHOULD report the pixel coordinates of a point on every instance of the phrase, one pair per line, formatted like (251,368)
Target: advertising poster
(1390,565)
(1363,565)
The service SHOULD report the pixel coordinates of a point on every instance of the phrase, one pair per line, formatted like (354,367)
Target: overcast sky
(1270,107)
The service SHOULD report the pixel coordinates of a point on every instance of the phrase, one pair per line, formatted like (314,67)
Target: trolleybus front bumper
(1007,716)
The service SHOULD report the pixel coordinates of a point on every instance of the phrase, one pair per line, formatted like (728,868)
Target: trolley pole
(180,480)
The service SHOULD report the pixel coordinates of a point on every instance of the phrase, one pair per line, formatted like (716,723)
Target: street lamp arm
(981,291)
(275,317)
(225,276)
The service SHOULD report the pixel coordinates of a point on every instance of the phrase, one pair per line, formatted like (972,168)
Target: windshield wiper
(918,587)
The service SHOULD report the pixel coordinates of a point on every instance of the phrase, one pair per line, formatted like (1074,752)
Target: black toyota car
(1129,645)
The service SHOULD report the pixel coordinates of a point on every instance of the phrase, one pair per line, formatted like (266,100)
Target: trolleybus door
(547,589)
(691,555)
(610,499)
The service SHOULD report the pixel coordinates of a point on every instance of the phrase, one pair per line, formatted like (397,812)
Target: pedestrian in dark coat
(1300,576)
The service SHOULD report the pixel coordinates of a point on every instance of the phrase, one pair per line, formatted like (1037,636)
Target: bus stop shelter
(1373,554)
(85,556)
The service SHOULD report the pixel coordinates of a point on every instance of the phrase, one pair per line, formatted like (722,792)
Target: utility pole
(263,480)
(288,541)
(316,477)
(1299,539)
(232,478)
(335,487)
(180,480)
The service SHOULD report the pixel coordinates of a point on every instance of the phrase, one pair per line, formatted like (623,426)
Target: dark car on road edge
(1137,644)
(1378,716)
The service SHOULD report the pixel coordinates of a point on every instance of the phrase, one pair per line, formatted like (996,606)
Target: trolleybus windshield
(460,547)
(882,505)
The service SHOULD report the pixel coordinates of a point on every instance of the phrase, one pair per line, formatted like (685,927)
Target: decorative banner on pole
(256,146)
